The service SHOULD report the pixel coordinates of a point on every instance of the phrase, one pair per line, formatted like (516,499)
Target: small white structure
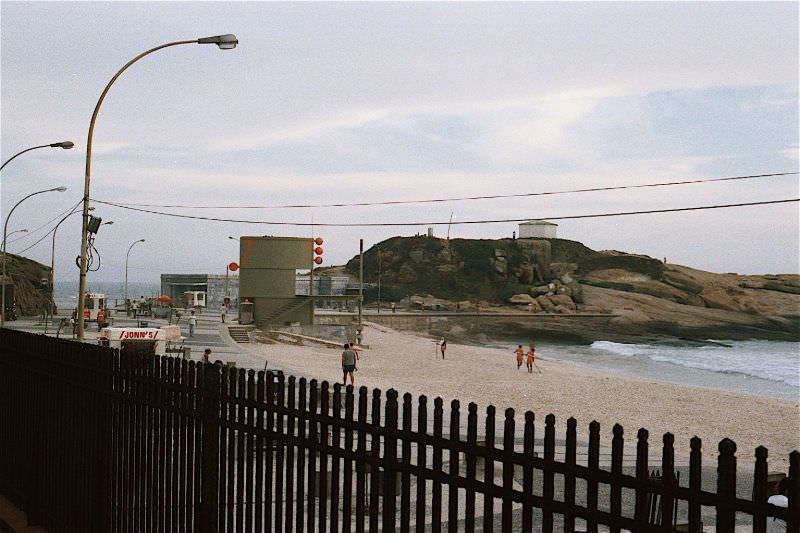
(537,229)
(152,341)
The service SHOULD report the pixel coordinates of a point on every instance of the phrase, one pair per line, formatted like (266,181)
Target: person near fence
(349,358)
(520,352)
(192,324)
(207,355)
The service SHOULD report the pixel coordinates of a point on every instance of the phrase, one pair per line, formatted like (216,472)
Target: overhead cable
(456,199)
(455,222)
(28,235)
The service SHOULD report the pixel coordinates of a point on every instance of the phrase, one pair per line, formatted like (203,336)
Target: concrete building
(537,229)
(215,286)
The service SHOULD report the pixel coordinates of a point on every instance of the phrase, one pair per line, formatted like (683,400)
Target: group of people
(529,356)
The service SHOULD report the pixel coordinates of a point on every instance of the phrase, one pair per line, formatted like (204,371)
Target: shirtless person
(349,358)
(519,351)
(531,357)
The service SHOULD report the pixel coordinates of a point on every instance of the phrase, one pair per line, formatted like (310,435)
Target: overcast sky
(355,102)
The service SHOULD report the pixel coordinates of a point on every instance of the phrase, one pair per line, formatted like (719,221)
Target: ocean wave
(768,360)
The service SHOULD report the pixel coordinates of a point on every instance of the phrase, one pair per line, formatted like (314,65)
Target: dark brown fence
(93,440)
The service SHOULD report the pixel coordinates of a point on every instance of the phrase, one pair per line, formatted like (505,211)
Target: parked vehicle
(146,341)
(196,299)
(92,304)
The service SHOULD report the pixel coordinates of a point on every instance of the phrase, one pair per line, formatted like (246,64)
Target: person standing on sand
(443,346)
(531,357)
(520,352)
(192,324)
(348,365)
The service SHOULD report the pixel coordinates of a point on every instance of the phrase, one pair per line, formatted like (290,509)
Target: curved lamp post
(17,231)
(225,42)
(66,145)
(5,235)
(126,271)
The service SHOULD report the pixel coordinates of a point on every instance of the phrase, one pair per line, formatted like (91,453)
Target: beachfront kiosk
(268,277)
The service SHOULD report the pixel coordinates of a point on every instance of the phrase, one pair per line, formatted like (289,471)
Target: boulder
(521,299)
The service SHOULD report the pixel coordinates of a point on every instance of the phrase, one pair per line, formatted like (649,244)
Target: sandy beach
(487,376)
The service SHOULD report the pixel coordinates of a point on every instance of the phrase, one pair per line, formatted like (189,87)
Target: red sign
(233,267)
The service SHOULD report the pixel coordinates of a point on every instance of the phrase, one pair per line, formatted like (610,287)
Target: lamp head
(59,189)
(66,145)
(141,240)
(225,42)
(107,223)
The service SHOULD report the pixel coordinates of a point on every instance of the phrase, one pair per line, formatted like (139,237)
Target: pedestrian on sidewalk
(207,355)
(349,358)
(223,311)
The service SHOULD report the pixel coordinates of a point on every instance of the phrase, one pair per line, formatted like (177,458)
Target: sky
(366,102)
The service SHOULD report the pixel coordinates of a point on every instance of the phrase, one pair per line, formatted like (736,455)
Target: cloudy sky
(357,102)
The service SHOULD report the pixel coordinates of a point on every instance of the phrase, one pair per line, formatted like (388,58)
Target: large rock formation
(31,284)
(645,296)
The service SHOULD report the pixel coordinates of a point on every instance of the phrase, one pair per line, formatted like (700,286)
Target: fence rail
(96,440)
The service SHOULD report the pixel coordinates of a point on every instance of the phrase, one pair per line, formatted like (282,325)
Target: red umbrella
(164,299)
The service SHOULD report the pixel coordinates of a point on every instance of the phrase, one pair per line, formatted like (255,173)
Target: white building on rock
(537,229)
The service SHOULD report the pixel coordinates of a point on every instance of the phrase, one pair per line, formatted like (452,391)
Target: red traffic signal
(318,260)
(318,250)
(318,241)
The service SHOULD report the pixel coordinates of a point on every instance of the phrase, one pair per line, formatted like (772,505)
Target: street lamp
(17,231)
(126,271)
(224,42)
(5,236)
(66,145)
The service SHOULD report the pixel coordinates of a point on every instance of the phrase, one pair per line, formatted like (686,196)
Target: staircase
(239,334)
(281,311)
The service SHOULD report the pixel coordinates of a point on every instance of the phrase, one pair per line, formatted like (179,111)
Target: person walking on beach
(349,358)
(443,346)
(531,358)
(223,311)
(520,352)
(192,324)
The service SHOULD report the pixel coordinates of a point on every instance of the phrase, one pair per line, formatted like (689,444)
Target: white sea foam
(768,360)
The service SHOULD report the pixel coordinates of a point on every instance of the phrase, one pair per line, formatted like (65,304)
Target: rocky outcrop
(30,281)
(638,295)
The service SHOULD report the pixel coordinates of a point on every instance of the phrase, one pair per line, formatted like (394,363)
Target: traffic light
(317,255)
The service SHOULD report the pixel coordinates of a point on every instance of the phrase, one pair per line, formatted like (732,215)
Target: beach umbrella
(164,298)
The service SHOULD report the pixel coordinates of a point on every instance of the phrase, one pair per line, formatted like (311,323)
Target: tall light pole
(126,271)
(5,235)
(66,145)
(224,42)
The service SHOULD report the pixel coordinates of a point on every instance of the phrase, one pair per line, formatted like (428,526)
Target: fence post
(793,524)
(508,468)
(668,497)
(548,473)
(760,489)
(695,483)
(640,514)
(390,463)
(209,482)
(617,444)
(570,453)
(593,463)
(527,472)
(726,487)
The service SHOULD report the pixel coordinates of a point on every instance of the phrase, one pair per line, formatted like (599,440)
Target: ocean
(760,368)
(66,292)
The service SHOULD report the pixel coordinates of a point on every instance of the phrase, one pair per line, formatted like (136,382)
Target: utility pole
(379,281)
(360,281)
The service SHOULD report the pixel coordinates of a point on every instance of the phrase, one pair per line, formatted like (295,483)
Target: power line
(27,235)
(49,232)
(456,199)
(460,222)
